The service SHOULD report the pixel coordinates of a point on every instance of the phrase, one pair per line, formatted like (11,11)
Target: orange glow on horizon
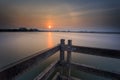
(49,27)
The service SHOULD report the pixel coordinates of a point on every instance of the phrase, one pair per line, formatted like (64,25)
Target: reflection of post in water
(50,40)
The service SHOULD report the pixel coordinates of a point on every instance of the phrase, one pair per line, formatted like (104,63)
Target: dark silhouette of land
(19,30)
(47,30)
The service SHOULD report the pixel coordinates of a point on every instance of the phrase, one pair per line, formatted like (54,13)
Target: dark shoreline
(45,30)
(68,32)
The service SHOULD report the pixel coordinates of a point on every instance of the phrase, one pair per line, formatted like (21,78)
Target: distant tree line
(47,30)
(19,30)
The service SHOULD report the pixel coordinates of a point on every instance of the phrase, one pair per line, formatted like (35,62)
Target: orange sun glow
(49,27)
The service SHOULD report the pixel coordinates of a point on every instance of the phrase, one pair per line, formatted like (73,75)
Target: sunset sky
(61,14)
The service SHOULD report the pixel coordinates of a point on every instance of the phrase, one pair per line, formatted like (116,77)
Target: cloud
(60,12)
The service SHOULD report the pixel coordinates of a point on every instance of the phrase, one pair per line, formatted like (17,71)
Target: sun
(49,26)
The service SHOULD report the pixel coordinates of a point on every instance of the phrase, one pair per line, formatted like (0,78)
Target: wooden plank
(96,51)
(56,76)
(69,59)
(47,72)
(62,52)
(12,70)
(72,78)
(95,71)
(62,44)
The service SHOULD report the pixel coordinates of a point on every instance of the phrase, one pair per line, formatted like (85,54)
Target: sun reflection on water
(50,40)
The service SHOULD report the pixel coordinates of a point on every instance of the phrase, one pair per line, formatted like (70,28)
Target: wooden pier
(11,71)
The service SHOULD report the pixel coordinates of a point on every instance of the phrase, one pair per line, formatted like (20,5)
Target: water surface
(17,45)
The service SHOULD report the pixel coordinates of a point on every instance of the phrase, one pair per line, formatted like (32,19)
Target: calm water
(15,46)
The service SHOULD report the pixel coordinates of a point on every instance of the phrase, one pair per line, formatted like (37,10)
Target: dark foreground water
(17,45)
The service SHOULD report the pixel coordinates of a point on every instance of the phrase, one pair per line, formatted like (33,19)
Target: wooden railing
(10,71)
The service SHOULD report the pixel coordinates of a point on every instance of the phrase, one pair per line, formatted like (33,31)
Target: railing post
(62,44)
(69,59)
